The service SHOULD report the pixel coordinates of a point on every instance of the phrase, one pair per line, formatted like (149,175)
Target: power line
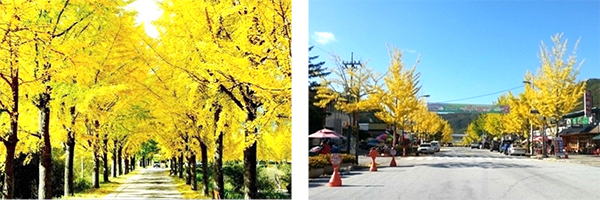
(483,94)
(328,52)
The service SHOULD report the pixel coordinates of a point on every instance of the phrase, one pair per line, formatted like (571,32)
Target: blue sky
(467,48)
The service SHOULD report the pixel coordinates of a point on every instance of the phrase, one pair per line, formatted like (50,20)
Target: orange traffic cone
(373,167)
(393,163)
(373,154)
(335,180)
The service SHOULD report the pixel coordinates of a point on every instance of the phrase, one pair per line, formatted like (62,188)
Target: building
(581,134)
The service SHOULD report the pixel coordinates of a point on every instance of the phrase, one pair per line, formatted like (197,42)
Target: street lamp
(543,118)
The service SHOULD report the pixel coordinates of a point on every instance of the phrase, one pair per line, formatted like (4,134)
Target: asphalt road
(463,173)
(148,183)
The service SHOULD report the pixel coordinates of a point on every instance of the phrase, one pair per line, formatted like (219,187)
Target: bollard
(566,154)
(373,153)
(393,154)
(335,180)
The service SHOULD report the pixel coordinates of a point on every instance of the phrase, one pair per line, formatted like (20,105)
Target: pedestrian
(325,148)
(335,149)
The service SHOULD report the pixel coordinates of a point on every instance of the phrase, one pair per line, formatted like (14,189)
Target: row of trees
(219,83)
(395,101)
(553,91)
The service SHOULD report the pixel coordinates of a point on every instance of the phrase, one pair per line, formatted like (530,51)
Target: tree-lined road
(147,184)
(462,173)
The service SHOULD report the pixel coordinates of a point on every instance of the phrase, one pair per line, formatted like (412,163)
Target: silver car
(426,148)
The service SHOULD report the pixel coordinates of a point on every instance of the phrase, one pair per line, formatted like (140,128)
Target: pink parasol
(326,133)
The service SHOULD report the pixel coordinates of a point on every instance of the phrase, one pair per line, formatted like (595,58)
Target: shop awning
(574,130)
(597,137)
(596,130)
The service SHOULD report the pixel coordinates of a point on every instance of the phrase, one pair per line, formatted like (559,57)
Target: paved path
(148,183)
(466,174)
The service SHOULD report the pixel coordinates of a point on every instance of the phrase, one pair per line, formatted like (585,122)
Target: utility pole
(352,65)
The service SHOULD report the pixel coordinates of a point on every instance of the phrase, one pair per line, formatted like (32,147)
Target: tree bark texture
(105,172)
(180,166)
(96,172)
(45,165)
(205,178)
(126,165)
(119,161)
(219,183)
(194,181)
(70,151)
(250,188)
(114,159)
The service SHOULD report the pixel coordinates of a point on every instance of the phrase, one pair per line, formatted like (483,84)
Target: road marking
(468,158)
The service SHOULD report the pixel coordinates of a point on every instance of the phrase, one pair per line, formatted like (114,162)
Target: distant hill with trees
(593,85)
(459,121)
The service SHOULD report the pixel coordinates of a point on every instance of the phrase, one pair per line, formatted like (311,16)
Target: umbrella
(326,133)
(539,138)
(381,137)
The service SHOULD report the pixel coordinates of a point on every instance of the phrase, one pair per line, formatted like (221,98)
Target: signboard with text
(467,108)
(558,146)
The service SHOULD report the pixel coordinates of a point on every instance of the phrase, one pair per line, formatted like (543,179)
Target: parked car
(516,150)
(475,145)
(436,146)
(486,145)
(425,148)
(495,146)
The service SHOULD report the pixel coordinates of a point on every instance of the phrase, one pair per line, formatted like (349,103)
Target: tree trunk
(250,189)
(114,159)
(96,172)
(119,161)
(133,163)
(143,162)
(9,172)
(11,143)
(126,165)
(70,151)
(180,165)
(45,165)
(219,183)
(192,169)
(171,167)
(205,177)
(188,171)
(105,174)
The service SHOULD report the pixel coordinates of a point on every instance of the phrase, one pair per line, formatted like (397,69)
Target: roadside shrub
(317,162)
(81,184)
(348,158)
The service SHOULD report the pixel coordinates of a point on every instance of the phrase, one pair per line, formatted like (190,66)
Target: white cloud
(410,51)
(148,11)
(324,37)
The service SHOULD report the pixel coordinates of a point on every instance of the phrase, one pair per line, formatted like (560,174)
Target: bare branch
(60,15)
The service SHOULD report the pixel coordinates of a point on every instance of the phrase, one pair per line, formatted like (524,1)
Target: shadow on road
(484,165)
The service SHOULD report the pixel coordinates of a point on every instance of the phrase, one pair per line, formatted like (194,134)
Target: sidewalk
(590,160)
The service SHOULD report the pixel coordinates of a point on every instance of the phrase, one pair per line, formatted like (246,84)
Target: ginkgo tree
(397,98)
(224,51)
(555,89)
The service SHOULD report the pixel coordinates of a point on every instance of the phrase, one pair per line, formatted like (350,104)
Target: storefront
(579,135)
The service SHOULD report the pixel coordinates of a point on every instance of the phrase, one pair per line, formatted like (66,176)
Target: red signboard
(587,103)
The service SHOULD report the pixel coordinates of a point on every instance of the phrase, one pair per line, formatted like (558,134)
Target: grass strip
(105,188)
(186,190)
